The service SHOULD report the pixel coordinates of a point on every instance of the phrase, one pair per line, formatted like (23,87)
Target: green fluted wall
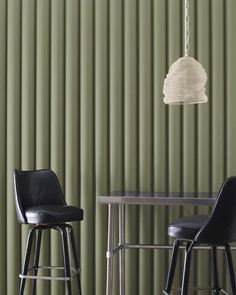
(81,92)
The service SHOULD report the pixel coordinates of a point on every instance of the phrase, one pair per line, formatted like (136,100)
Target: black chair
(40,202)
(217,229)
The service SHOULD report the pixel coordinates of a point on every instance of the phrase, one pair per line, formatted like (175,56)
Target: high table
(121,199)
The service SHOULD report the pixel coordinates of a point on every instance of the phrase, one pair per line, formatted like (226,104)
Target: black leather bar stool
(40,202)
(217,229)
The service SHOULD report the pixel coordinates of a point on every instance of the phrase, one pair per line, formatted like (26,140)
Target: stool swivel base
(66,232)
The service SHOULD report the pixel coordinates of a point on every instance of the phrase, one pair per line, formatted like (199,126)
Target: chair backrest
(35,188)
(221,225)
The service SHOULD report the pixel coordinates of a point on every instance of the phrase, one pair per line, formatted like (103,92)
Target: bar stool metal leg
(230,267)
(187,262)
(216,288)
(171,271)
(36,258)
(27,259)
(66,258)
(75,257)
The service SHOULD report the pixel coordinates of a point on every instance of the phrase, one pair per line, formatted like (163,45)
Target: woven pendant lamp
(185,83)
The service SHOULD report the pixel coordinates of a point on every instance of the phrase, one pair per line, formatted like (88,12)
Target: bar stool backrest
(35,188)
(221,225)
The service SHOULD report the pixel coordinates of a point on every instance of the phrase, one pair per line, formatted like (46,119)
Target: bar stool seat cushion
(45,214)
(187,227)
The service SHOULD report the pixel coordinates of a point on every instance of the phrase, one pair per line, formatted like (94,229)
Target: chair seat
(187,227)
(53,214)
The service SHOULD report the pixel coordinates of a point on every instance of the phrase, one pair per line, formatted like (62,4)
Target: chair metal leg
(215,279)
(187,262)
(66,258)
(36,258)
(172,267)
(75,257)
(229,263)
(26,260)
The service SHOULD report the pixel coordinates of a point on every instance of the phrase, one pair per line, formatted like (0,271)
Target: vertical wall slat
(217,102)
(28,100)
(72,134)
(72,103)
(131,136)
(87,142)
(116,94)
(174,52)
(145,140)
(174,112)
(3,103)
(43,13)
(189,138)
(13,139)
(57,116)
(203,128)
(43,78)
(189,134)
(230,86)
(101,135)
(218,97)
(160,134)
(28,85)
(116,106)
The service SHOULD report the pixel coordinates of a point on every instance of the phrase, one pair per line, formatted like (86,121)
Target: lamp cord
(187,28)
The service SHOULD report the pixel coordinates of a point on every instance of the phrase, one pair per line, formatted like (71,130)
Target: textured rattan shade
(185,82)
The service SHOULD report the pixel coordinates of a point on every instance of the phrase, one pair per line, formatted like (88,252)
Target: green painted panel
(57,119)
(174,113)
(101,137)
(43,63)
(217,104)
(230,89)
(72,110)
(116,106)
(189,151)
(203,115)
(28,101)
(81,92)
(43,114)
(116,95)
(189,127)
(13,139)
(145,141)
(72,103)
(160,140)
(87,144)
(218,95)
(203,128)
(28,84)
(131,136)
(3,125)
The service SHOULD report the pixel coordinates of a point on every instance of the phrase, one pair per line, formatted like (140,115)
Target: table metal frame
(121,199)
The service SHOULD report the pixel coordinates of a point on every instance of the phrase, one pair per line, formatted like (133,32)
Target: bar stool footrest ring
(51,278)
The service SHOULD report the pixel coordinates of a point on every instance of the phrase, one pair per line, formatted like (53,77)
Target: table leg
(122,251)
(109,254)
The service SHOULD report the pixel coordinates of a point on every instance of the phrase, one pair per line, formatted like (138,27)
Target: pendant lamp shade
(185,83)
